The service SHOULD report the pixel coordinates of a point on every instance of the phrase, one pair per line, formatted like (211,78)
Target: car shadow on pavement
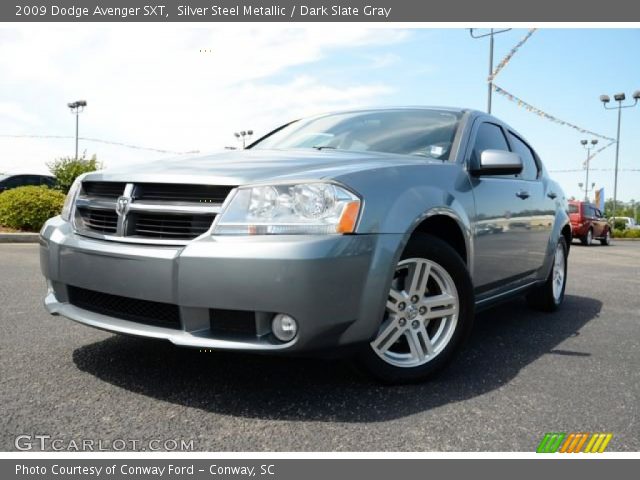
(505,340)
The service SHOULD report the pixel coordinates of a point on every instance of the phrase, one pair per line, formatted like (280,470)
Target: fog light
(284,327)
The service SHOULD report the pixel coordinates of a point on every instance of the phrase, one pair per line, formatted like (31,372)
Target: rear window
(573,208)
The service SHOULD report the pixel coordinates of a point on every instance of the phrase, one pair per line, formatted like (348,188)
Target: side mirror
(498,162)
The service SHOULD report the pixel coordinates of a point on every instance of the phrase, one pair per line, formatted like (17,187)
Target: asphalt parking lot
(522,374)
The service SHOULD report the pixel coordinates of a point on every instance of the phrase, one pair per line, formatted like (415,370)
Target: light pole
(618,97)
(491,34)
(77,107)
(588,146)
(244,136)
(587,189)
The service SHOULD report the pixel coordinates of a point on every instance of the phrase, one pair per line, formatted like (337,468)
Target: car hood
(255,166)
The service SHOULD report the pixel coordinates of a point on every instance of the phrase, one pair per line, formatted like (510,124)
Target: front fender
(561,220)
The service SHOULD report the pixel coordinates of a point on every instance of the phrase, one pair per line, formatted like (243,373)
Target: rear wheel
(606,240)
(549,296)
(428,315)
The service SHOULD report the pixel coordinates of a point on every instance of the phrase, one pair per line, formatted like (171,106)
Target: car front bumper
(334,286)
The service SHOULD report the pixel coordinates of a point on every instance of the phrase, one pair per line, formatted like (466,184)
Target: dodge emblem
(122,205)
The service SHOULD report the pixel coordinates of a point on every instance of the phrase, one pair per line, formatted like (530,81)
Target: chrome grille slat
(198,194)
(172,226)
(103,189)
(99,220)
(155,213)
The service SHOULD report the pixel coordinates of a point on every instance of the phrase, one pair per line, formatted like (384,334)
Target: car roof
(7,175)
(457,110)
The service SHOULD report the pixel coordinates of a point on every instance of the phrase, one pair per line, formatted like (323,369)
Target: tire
(550,295)
(426,321)
(606,241)
(588,238)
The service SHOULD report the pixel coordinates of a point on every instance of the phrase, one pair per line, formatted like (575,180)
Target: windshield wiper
(322,147)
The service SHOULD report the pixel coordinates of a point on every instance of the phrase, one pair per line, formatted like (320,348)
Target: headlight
(67,208)
(306,208)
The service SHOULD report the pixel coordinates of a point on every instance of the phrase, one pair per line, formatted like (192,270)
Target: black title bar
(319,11)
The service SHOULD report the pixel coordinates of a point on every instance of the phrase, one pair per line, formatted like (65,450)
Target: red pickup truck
(588,223)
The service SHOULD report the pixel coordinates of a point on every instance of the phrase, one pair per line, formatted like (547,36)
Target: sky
(189,88)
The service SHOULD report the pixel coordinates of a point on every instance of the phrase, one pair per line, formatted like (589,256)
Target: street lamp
(77,107)
(491,34)
(618,97)
(588,146)
(244,135)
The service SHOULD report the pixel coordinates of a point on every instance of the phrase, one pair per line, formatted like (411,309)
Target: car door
(601,222)
(48,181)
(34,180)
(501,227)
(539,213)
(589,213)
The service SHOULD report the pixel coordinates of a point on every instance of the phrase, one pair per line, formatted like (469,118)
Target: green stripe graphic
(551,442)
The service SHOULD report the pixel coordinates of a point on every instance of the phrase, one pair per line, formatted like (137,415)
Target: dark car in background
(7,182)
(588,223)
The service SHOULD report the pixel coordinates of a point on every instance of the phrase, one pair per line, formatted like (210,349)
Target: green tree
(67,169)
(625,209)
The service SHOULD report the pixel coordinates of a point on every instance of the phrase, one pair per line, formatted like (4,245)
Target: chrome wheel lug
(422,310)
(402,306)
(415,324)
(402,322)
(414,299)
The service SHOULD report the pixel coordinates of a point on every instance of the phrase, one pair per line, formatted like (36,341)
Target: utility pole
(491,34)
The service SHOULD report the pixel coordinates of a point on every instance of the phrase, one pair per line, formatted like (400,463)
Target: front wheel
(549,296)
(428,314)
(588,239)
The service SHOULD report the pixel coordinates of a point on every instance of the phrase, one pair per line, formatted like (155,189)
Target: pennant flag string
(509,55)
(530,108)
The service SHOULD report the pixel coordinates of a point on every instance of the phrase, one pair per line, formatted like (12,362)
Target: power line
(99,140)
(570,170)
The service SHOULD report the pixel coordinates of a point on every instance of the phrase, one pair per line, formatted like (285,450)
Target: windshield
(425,133)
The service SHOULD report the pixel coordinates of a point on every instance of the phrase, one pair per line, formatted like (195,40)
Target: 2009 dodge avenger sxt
(380,230)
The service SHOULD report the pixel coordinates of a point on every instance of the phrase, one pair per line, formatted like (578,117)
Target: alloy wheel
(558,272)
(420,316)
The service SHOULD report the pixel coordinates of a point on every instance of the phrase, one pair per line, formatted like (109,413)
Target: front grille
(162,192)
(162,213)
(103,189)
(99,220)
(170,226)
(141,311)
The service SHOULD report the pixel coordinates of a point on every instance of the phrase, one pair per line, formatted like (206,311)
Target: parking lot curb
(20,237)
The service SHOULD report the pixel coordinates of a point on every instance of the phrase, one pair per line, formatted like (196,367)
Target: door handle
(551,195)
(522,194)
